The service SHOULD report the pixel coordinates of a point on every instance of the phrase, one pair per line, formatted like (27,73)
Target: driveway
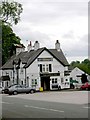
(72,97)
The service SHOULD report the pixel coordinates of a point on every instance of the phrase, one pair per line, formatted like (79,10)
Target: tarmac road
(21,107)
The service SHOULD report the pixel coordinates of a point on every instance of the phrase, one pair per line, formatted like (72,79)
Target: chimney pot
(57,45)
(29,47)
(36,45)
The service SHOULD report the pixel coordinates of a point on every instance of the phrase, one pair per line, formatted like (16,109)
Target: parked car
(15,89)
(78,85)
(4,90)
(85,86)
(73,84)
(0,90)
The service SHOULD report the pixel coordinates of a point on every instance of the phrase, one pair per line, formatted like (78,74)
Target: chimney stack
(19,48)
(57,45)
(36,45)
(29,47)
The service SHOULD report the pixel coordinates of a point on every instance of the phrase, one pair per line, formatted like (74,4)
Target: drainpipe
(17,69)
(13,75)
(17,76)
(25,77)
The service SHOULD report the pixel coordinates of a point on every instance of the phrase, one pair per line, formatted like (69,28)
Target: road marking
(5,102)
(44,108)
(87,107)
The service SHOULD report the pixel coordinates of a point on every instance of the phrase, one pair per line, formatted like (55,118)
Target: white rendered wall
(76,71)
(33,70)
(21,74)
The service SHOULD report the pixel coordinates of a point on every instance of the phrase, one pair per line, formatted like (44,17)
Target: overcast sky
(51,20)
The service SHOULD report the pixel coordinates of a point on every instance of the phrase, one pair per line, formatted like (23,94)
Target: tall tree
(8,39)
(10,12)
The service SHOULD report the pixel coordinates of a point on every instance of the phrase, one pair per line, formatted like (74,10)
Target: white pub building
(38,67)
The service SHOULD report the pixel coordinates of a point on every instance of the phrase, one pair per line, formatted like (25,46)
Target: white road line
(44,108)
(87,107)
(5,102)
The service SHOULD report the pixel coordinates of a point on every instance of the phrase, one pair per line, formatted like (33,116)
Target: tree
(10,12)
(8,39)
(84,65)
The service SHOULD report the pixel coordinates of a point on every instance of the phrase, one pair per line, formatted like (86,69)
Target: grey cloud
(79,49)
(28,34)
(43,12)
(70,35)
(84,39)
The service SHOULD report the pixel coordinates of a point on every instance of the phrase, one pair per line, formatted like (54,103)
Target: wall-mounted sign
(49,74)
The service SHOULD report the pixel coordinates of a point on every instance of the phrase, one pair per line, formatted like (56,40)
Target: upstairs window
(50,68)
(45,67)
(40,67)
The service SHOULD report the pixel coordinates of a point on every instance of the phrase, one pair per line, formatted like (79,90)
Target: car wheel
(86,88)
(32,91)
(81,88)
(59,88)
(72,87)
(15,93)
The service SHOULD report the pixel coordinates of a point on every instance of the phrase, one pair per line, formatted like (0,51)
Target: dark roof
(56,54)
(15,58)
(59,56)
(70,68)
(33,55)
(27,58)
(8,64)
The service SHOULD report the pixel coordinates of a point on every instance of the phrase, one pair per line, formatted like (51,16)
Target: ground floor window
(21,82)
(62,80)
(54,80)
(54,83)
(7,83)
(34,82)
(2,84)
